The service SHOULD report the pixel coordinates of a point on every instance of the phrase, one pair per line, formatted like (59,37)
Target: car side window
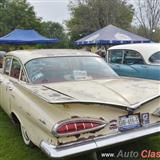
(155,58)
(15,69)
(7,66)
(132,57)
(115,56)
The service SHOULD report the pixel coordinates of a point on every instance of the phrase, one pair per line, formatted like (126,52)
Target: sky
(54,10)
(51,10)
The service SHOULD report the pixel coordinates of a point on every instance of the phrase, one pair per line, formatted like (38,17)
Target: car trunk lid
(124,92)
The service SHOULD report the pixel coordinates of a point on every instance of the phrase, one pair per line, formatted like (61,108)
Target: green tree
(17,14)
(147,14)
(140,30)
(20,14)
(88,16)
(55,30)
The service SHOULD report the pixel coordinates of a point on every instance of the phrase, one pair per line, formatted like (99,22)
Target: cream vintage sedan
(70,101)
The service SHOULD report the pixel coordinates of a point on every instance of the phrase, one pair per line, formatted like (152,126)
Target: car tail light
(77,126)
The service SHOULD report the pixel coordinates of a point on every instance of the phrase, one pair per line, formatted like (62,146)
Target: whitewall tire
(25,136)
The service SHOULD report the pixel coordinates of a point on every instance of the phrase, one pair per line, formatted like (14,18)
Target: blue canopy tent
(20,36)
(111,35)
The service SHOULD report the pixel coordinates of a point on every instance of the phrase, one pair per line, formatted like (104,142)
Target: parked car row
(70,101)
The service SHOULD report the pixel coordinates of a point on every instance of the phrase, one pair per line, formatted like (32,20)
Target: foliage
(139,30)
(148,18)
(17,14)
(52,30)
(20,14)
(91,15)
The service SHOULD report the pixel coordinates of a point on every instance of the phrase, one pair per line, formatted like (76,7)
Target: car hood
(122,92)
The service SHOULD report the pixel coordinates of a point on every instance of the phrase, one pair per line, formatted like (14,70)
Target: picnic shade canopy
(20,36)
(111,35)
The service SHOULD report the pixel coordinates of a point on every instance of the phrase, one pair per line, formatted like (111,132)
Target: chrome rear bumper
(80,147)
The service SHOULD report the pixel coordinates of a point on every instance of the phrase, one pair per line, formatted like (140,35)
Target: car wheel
(25,137)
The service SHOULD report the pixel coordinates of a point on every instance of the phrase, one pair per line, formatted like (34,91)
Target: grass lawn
(12,147)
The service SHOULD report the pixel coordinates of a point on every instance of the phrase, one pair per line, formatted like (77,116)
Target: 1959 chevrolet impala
(70,101)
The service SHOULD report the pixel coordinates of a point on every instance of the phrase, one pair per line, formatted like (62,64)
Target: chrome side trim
(102,123)
(95,143)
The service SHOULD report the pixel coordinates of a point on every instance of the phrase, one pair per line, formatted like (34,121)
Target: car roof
(27,55)
(145,49)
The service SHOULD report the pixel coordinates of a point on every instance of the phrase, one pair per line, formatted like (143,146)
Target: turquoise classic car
(135,60)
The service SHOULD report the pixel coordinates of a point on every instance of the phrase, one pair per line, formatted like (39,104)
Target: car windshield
(60,69)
